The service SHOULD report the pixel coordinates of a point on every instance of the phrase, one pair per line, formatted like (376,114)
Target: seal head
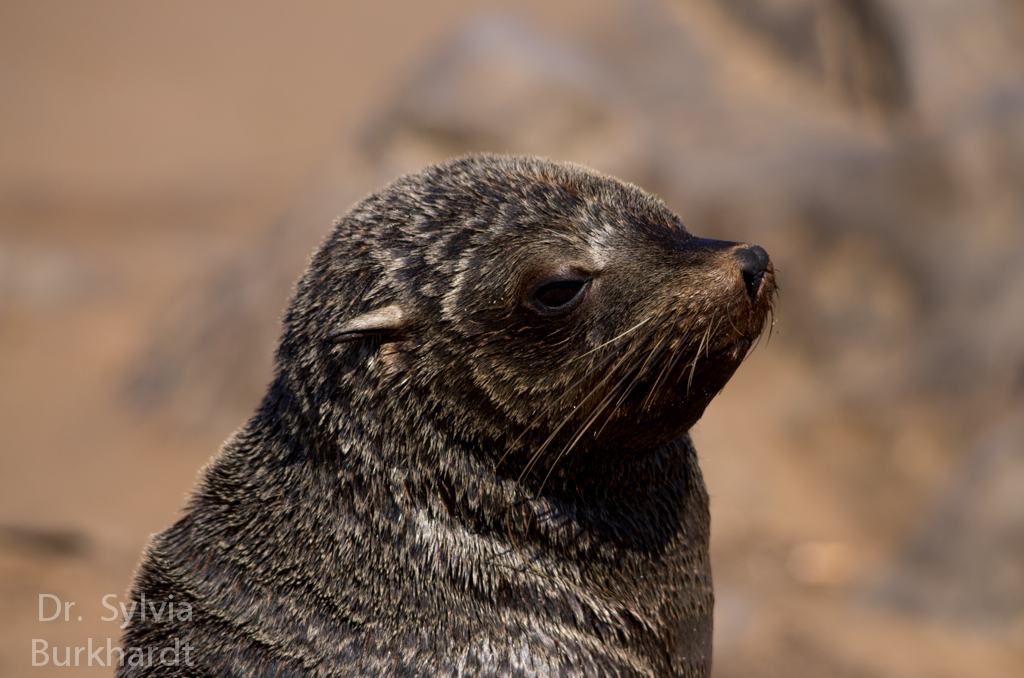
(474,457)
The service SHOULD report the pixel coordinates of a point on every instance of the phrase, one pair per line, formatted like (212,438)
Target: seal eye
(558,294)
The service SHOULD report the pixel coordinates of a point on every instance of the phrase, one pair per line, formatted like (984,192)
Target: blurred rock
(849,47)
(828,563)
(735,614)
(41,543)
(42,278)
(967,563)
(501,86)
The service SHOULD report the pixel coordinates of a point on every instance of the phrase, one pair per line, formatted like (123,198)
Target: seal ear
(385,320)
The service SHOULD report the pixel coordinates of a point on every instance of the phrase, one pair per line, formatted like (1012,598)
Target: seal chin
(737,350)
(699,382)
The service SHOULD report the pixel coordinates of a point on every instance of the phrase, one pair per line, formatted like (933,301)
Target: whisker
(665,367)
(655,358)
(729,316)
(616,338)
(594,390)
(540,450)
(590,420)
(536,456)
(696,356)
(651,355)
(679,354)
(576,383)
(712,333)
(635,375)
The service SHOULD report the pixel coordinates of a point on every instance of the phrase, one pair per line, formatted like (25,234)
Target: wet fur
(459,485)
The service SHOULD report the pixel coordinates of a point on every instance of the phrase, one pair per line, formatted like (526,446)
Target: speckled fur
(386,511)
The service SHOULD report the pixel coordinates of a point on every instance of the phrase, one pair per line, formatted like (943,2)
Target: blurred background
(166,169)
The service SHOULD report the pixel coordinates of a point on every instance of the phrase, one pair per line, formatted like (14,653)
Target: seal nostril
(753,263)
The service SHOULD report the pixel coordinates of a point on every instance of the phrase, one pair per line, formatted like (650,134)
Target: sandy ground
(144,145)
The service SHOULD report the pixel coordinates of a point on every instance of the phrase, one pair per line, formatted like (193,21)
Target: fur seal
(473,458)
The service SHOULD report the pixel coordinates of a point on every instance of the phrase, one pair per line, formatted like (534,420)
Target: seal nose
(753,263)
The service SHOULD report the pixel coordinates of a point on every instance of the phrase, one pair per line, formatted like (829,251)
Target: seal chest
(473,458)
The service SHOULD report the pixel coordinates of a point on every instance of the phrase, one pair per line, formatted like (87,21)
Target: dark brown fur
(450,476)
